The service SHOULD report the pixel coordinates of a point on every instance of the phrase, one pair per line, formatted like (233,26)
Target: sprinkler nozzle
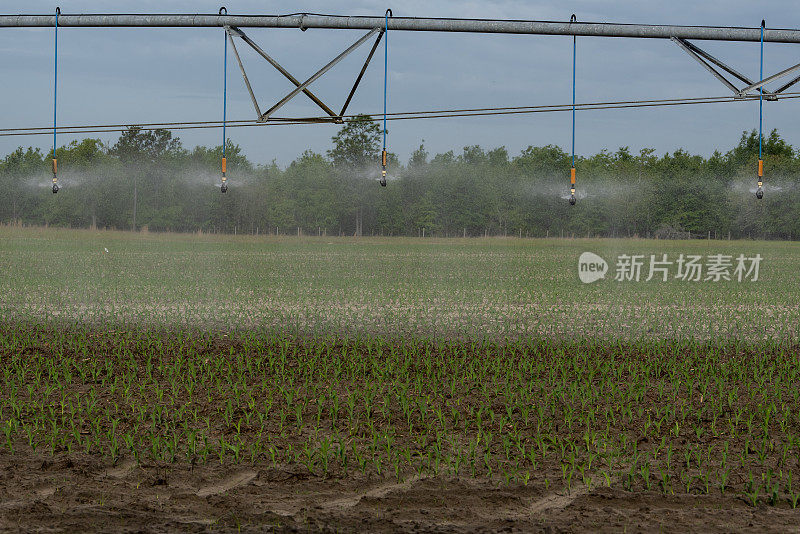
(572,186)
(224,187)
(55,176)
(383,167)
(760,191)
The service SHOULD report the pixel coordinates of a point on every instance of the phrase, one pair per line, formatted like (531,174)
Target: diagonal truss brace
(788,84)
(302,87)
(361,73)
(708,61)
(769,79)
(244,74)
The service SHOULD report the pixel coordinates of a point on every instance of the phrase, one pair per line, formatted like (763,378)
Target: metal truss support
(244,74)
(787,85)
(274,63)
(708,61)
(361,74)
(303,86)
(765,81)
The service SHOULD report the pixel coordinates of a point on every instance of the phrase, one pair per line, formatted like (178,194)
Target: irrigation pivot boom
(306,21)
(378,26)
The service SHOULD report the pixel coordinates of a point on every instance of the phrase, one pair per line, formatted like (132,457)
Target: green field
(219,383)
(425,287)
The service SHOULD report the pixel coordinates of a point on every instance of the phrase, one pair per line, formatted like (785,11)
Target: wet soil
(53,489)
(74,493)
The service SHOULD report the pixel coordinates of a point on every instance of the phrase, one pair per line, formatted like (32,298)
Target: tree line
(148,180)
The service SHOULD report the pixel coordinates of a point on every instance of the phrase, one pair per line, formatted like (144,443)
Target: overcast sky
(124,75)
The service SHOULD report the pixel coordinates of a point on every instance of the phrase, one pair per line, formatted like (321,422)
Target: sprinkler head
(55,188)
(223,188)
(759,191)
(572,200)
(383,177)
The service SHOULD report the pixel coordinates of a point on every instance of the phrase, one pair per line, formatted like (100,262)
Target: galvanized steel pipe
(588,29)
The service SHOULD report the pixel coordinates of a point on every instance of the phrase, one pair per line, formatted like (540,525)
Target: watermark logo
(686,267)
(591,267)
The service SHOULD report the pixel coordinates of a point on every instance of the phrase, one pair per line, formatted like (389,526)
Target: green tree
(419,158)
(145,155)
(357,144)
(16,170)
